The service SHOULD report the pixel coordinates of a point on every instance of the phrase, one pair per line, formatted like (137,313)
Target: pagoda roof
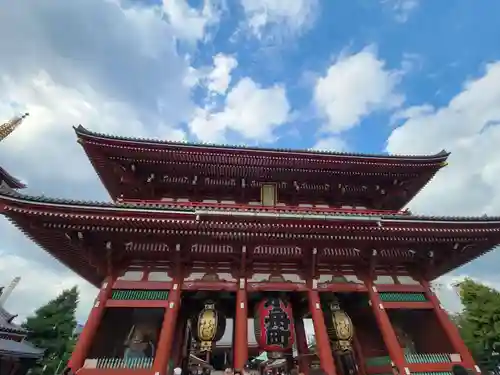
(52,223)
(136,168)
(84,133)
(21,349)
(6,324)
(10,180)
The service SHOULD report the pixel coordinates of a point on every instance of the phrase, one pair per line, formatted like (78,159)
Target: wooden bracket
(314,261)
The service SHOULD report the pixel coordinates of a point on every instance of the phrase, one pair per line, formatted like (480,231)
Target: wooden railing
(116,363)
(260,208)
(411,358)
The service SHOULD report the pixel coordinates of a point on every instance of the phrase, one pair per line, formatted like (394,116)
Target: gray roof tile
(20,349)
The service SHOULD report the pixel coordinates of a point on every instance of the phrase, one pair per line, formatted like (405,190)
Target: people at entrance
(138,345)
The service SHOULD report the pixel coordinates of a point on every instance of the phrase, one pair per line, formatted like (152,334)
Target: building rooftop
(84,133)
(21,349)
(135,168)
(6,323)
(14,347)
(67,229)
(9,180)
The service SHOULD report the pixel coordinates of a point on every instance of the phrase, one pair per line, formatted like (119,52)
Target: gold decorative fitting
(8,127)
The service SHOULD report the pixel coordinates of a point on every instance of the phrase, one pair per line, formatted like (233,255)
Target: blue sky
(397,76)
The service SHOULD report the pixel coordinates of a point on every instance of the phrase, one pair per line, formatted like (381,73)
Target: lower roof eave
(56,217)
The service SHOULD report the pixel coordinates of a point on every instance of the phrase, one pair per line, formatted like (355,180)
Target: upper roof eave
(10,180)
(82,132)
(13,198)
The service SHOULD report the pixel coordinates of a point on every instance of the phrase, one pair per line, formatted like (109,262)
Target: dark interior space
(419,331)
(120,326)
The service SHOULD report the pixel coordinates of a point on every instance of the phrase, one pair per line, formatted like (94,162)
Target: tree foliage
(479,322)
(52,327)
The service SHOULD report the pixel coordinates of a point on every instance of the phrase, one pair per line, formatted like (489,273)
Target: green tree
(479,322)
(52,327)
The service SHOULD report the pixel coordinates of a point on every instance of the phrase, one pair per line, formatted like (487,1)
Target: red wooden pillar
(322,342)
(168,329)
(390,339)
(240,346)
(449,328)
(302,348)
(360,359)
(179,338)
(86,338)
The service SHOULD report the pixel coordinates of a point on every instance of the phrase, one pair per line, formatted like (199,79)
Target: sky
(378,76)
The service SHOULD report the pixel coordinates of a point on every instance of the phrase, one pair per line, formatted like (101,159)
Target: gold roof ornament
(10,126)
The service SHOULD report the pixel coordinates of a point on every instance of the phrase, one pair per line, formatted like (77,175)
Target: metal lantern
(341,331)
(210,325)
(274,328)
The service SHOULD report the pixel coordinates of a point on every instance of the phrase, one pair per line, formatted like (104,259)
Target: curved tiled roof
(10,180)
(83,132)
(20,349)
(186,207)
(6,325)
(182,220)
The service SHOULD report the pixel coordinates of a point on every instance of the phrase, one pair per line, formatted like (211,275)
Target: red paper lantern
(274,328)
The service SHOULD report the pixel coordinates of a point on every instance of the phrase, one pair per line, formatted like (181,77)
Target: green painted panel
(402,297)
(427,358)
(378,361)
(139,295)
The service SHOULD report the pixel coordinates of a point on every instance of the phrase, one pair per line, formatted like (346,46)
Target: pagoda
(7,180)
(199,235)
(17,355)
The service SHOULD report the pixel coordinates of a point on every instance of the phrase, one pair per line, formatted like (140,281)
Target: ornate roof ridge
(16,196)
(10,180)
(82,131)
(6,323)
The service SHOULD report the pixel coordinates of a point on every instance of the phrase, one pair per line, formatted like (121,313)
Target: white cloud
(468,127)
(39,285)
(216,78)
(220,77)
(279,18)
(330,143)
(250,110)
(189,23)
(122,75)
(353,87)
(401,9)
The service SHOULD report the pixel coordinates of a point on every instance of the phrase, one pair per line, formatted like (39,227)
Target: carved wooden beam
(81,241)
